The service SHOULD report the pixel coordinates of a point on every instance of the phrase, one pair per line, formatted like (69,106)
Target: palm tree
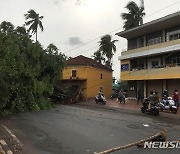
(34,22)
(108,48)
(98,57)
(135,14)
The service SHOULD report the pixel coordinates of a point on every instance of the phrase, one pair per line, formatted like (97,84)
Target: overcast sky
(71,24)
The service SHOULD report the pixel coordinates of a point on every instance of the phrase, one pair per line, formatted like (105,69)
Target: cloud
(80,2)
(75,41)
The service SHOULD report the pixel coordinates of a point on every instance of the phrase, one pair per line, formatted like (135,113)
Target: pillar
(145,89)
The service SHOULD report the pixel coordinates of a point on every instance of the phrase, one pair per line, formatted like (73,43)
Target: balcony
(151,47)
(164,72)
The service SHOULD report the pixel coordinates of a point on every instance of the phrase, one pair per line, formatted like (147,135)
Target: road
(76,129)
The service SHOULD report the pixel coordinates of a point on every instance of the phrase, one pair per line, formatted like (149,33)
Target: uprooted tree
(27,71)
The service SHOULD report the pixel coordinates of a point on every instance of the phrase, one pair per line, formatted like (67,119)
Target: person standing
(139,97)
(176,98)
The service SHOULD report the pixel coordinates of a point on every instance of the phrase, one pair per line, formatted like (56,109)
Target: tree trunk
(36,35)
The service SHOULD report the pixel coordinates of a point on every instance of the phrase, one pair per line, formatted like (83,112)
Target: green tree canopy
(27,71)
(98,57)
(108,48)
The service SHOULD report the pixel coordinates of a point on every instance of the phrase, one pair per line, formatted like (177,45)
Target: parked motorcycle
(100,98)
(150,107)
(168,104)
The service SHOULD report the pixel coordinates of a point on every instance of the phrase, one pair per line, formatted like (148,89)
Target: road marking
(2,150)
(2,142)
(13,136)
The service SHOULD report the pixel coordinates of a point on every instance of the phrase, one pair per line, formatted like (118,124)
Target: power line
(118,29)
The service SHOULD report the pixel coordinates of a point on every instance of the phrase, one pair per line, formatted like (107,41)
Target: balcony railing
(167,72)
(155,67)
(145,48)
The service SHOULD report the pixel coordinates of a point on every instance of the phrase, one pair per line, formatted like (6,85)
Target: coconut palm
(135,14)
(98,57)
(34,22)
(108,48)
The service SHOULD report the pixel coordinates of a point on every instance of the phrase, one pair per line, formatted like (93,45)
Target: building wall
(155,86)
(81,74)
(172,85)
(94,81)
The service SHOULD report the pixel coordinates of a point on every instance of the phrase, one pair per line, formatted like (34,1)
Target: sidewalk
(130,105)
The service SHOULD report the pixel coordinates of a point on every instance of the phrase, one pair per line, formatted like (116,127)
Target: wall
(94,81)
(81,74)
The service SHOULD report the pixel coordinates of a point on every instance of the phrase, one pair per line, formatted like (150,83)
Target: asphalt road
(84,130)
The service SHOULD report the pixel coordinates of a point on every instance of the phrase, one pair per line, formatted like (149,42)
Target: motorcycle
(150,107)
(100,98)
(168,104)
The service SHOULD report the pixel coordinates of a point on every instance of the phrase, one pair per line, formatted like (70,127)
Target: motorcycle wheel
(155,111)
(142,109)
(174,111)
(104,103)
(96,101)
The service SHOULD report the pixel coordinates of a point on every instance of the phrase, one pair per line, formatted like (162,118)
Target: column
(164,85)
(163,36)
(145,89)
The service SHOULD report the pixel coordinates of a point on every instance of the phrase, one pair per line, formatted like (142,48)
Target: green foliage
(135,15)
(98,57)
(27,71)
(34,21)
(107,47)
(124,85)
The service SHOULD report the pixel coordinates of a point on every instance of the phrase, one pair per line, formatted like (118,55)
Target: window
(74,73)
(155,64)
(154,41)
(173,35)
(140,42)
(101,76)
(176,61)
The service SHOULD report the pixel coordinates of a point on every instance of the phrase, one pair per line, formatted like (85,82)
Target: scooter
(100,99)
(150,107)
(168,104)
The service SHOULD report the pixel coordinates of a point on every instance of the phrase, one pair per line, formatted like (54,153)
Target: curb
(4,148)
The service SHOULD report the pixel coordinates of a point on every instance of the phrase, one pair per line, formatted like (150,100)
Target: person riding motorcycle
(100,94)
(165,97)
(151,99)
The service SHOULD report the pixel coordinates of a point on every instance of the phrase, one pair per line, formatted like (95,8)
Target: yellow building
(152,59)
(90,75)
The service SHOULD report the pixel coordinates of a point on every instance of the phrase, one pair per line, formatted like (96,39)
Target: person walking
(139,97)
(121,96)
(176,98)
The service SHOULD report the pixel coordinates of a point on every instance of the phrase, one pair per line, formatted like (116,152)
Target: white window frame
(173,33)
(151,60)
(177,64)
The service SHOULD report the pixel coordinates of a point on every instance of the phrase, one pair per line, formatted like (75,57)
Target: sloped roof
(82,60)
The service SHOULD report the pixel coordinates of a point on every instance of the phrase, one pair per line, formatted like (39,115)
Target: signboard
(124,67)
